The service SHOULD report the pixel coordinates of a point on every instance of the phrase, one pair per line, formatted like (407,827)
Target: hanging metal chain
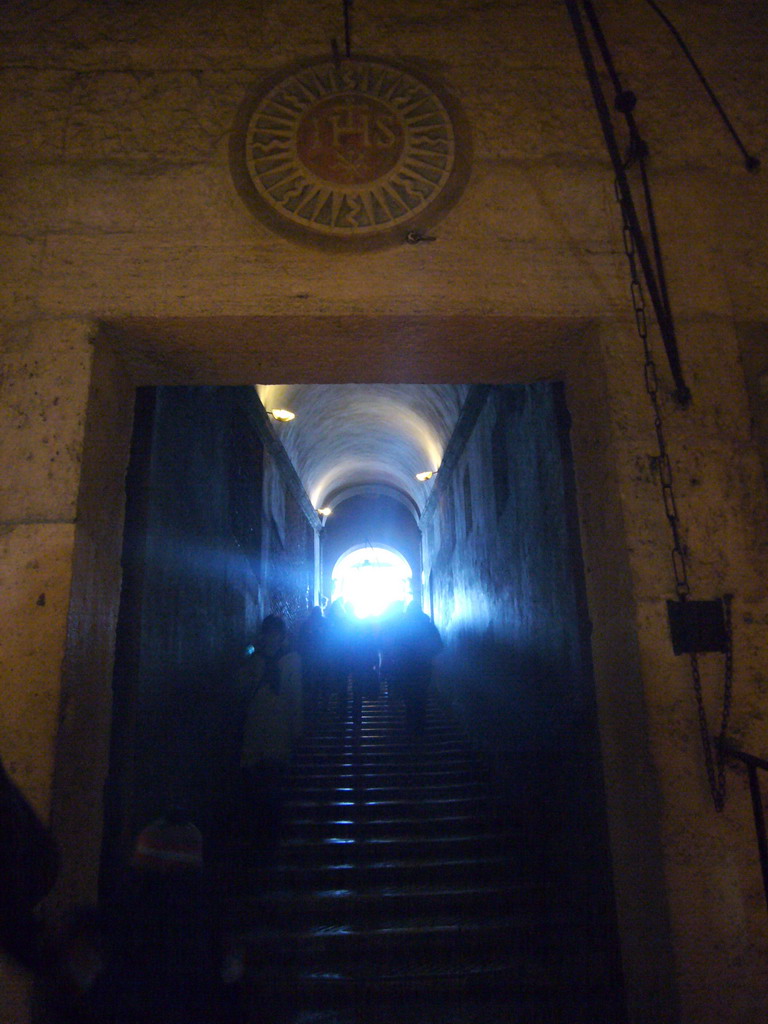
(624,101)
(714,761)
(652,387)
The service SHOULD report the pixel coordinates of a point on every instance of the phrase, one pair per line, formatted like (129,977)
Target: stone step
(405,767)
(541,973)
(450,941)
(315,853)
(377,828)
(397,895)
(399,872)
(387,738)
(380,787)
(396,774)
(411,806)
(343,906)
(354,1004)
(382,727)
(380,762)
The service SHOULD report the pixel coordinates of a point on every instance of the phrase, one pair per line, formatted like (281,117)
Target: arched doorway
(372,579)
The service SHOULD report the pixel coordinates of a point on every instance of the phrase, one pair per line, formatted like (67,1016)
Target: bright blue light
(370,580)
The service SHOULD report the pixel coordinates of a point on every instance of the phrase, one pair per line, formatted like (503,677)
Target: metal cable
(752,163)
(626,99)
(347,27)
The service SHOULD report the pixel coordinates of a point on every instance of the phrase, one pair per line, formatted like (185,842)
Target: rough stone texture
(631,778)
(35,576)
(42,427)
(34,584)
(710,451)
(118,206)
(85,705)
(44,376)
(288,546)
(213,542)
(504,575)
(512,511)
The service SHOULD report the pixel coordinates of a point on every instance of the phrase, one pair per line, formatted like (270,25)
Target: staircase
(402,893)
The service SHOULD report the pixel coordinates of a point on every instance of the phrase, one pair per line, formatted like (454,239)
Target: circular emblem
(349,155)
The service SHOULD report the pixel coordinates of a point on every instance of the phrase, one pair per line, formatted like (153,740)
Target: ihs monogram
(349,151)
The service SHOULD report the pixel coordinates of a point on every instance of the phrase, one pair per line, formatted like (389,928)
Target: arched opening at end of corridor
(370,580)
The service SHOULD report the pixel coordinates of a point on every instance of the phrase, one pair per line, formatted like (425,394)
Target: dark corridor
(221,529)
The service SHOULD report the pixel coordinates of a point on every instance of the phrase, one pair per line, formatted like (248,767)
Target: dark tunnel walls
(214,539)
(504,576)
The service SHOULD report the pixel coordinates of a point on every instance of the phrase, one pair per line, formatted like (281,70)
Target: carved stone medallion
(352,155)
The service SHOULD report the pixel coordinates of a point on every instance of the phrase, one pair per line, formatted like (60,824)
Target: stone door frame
(133,352)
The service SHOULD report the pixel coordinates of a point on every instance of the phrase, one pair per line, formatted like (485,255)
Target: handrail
(754,763)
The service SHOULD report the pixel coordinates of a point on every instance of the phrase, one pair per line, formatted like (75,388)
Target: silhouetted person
(338,648)
(273,722)
(162,960)
(386,640)
(81,988)
(312,642)
(413,642)
(29,865)
(363,659)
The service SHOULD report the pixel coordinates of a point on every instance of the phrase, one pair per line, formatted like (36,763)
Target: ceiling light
(283,415)
(426,475)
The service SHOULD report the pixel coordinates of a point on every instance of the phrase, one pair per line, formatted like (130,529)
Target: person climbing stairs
(407,888)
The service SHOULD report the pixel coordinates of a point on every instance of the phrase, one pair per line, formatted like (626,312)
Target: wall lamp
(281,415)
(324,512)
(426,475)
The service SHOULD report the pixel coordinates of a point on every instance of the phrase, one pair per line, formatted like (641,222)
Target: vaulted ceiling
(355,438)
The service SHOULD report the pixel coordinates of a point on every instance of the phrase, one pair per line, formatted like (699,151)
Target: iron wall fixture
(697,626)
(625,101)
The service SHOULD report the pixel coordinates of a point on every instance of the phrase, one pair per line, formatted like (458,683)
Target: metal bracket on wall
(697,627)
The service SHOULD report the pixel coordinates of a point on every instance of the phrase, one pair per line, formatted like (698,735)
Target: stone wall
(646,693)
(505,573)
(506,581)
(289,551)
(196,574)
(120,221)
(199,576)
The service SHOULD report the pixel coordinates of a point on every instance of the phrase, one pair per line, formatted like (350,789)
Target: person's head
(338,609)
(272,634)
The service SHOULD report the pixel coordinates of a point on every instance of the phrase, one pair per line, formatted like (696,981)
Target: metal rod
(757,808)
(625,102)
(666,327)
(347,28)
(749,759)
(751,162)
(655,240)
